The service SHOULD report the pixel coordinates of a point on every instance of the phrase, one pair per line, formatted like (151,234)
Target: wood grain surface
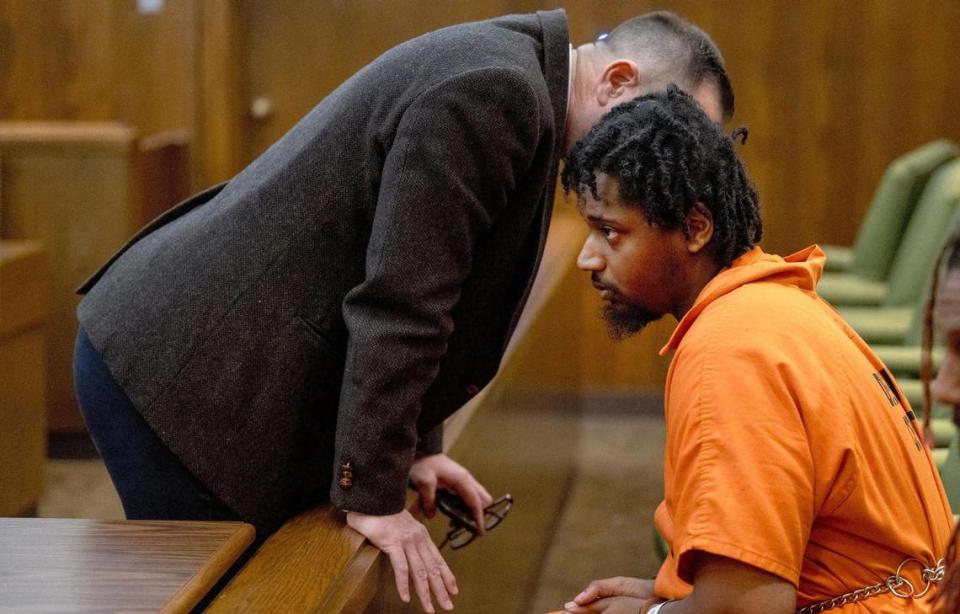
(72,187)
(24,280)
(51,565)
(295,568)
(831,91)
(24,305)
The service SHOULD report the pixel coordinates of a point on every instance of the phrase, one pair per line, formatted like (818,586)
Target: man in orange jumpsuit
(795,470)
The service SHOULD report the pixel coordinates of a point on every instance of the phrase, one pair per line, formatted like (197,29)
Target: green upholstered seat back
(892,206)
(914,335)
(924,237)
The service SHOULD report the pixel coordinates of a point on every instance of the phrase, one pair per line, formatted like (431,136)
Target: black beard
(624,320)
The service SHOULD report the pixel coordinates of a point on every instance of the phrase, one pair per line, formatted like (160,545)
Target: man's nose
(588,259)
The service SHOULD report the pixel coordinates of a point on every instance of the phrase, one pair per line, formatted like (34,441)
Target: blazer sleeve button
(346,476)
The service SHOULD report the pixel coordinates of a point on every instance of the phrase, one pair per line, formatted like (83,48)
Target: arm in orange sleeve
(721,585)
(725,586)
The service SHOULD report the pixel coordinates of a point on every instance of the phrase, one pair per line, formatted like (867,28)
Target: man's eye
(608,232)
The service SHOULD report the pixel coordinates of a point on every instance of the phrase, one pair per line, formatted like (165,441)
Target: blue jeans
(151,481)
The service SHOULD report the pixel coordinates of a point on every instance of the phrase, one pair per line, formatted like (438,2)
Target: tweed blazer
(293,334)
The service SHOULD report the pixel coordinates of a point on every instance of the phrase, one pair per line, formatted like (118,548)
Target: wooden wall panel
(98,60)
(220,126)
(72,187)
(294,53)
(24,308)
(162,174)
(831,91)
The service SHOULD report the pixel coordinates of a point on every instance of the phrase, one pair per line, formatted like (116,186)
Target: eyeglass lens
(461,535)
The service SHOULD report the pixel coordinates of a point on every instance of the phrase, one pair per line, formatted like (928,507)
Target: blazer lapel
(556,72)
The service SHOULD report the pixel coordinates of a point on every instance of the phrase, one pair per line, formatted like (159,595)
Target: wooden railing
(510,436)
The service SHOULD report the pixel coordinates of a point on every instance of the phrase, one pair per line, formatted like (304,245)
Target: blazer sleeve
(459,151)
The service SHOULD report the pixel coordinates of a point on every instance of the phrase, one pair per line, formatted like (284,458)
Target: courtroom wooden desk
(52,565)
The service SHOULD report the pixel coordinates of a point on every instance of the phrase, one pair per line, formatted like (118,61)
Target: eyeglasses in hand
(463,528)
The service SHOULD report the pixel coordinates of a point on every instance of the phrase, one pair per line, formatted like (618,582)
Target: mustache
(600,286)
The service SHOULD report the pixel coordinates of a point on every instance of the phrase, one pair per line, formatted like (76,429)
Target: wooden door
(294,54)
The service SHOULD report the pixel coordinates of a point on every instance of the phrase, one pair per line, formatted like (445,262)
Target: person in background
(299,334)
(945,302)
(795,474)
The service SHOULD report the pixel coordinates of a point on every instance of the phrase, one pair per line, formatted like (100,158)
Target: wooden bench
(511,436)
(82,188)
(24,304)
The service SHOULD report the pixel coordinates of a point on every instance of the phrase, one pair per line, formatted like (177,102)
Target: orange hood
(801,269)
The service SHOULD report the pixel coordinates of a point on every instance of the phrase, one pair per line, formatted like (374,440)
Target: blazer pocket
(317,333)
(321,376)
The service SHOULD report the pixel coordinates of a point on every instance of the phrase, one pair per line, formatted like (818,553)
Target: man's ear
(618,78)
(698,228)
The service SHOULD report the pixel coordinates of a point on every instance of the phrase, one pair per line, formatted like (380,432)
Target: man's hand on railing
(440,471)
(406,542)
(412,554)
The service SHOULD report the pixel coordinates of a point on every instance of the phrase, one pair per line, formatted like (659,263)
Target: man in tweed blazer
(299,334)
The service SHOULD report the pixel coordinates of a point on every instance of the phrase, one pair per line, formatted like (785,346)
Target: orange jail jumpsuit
(789,447)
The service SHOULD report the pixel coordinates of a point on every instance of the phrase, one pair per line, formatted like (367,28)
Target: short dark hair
(687,55)
(667,156)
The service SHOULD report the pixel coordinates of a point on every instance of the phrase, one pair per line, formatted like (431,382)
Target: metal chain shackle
(893,584)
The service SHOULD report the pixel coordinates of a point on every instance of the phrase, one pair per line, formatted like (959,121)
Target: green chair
(903,361)
(898,321)
(857,275)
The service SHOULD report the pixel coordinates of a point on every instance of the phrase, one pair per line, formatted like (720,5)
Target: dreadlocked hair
(667,156)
